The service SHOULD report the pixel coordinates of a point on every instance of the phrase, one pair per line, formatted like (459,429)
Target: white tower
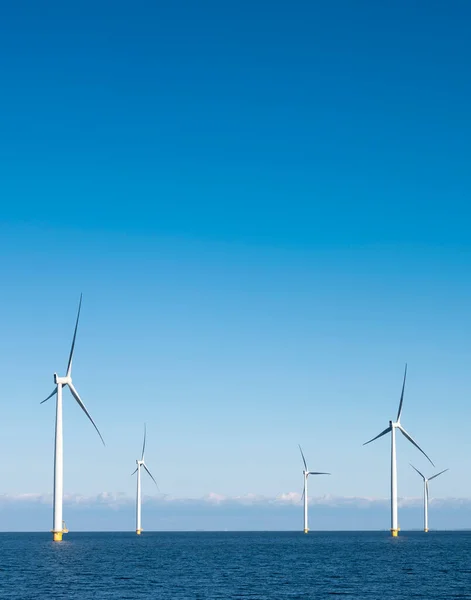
(58,525)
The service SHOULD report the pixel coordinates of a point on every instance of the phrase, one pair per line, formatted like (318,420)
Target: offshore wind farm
(235,239)
(59,527)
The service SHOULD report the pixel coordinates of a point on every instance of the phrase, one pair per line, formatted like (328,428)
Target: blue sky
(267,211)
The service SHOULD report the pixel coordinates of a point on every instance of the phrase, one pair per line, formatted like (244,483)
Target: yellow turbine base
(306,531)
(138,531)
(394,532)
(425,530)
(57,536)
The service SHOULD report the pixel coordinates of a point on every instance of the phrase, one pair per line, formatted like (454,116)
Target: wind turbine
(391,428)
(58,524)
(306,474)
(141,463)
(426,493)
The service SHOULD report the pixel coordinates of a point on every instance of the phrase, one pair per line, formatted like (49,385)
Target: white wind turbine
(426,493)
(58,524)
(141,463)
(306,474)
(393,425)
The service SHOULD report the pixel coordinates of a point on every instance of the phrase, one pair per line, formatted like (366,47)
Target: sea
(252,565)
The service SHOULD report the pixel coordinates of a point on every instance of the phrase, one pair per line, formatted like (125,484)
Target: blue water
(236,565)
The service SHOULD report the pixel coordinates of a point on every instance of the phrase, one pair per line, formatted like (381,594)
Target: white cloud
(289,498)
(25,498)
(114,511)
(119,499)
(214,498)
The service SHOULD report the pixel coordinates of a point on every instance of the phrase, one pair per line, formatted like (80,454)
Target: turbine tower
(306,474)
(141,463)
(426,493)
(391,428)
(58,525)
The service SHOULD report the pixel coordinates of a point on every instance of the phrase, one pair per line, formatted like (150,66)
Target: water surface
(276,566)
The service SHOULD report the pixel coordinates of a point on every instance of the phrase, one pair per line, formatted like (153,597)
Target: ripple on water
(255,566)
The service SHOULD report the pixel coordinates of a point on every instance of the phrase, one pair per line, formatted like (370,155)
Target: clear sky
(266,207)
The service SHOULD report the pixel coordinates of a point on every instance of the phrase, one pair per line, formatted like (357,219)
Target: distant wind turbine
(306,474)
(393,425)
(426,493)
(141,463)
(58,524)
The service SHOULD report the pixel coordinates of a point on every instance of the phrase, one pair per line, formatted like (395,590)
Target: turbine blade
(387,430)
(406,435)
(302,496)
(145,467)
(69,365)
(304,460)
(402,395)
(134,472)
(318,473)
(82,406)
(144,444)
(421,474)
(50,395)
(433,477)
